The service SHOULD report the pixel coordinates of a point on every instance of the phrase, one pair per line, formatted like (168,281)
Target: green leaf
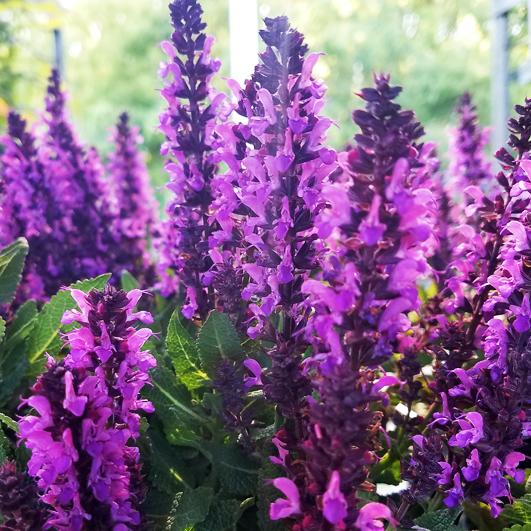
(156,508)
(520,511)
(223,516)
(9,422)
(128,281)
(49,320)
(518,527)
(12,260)
(217,340)
(168,470)
(189,508)
(173,406)
(4,446)
(442,520)
(236,472)
(2,329)
(183,352)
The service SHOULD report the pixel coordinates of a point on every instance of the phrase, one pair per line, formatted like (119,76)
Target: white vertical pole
(500,75)
(243,27)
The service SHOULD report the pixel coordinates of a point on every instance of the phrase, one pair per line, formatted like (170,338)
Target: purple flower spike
(134,199)
(468,163)
(87,417)
(188,125)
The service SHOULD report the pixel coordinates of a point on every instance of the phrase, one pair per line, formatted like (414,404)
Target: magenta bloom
(285,507)
(87,416)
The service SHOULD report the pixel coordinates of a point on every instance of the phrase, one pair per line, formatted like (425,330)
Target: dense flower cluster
(55,194)
(484,418)
(133,197)
(377,223)
(87,415)
(188,125)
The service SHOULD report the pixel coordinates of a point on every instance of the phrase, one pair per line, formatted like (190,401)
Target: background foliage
(436,49)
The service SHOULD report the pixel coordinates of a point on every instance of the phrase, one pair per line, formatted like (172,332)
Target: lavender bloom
(134,198)
(468,164)
(87,415)
(188,125)
(19,503)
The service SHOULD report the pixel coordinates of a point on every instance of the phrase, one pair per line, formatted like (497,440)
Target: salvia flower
(87,416)
(134,198)
(188,125)
(277,162)
(468,163)
(27,207)
(378,225)
(484,416)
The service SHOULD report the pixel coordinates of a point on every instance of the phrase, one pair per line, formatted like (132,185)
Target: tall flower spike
(86,420)
(277,162)
(485,415)
(378,224)
(27,207)
(134,196)
(188,125)
(468,164)
(87,223)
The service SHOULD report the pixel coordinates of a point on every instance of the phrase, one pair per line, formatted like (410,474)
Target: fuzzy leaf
(237,473)
(168,470)
(9,422)
(189,508)
(520,511)
(217,340)
(174,407)
(49,320)
(183,352)
(223,516)
(442,520)
(12,260)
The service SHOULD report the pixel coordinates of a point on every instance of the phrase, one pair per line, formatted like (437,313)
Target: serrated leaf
(183,352)
(442,520)
(49,320)
(189,508)
(217,340)
(173,405)
(223,516)
(236,472)
(12,260)
(168,470)
(520,511)
(156,508)
(128,281)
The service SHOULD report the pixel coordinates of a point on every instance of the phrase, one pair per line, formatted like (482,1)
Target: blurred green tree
(436,49)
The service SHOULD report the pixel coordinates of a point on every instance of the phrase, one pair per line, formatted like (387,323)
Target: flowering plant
(333,340)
